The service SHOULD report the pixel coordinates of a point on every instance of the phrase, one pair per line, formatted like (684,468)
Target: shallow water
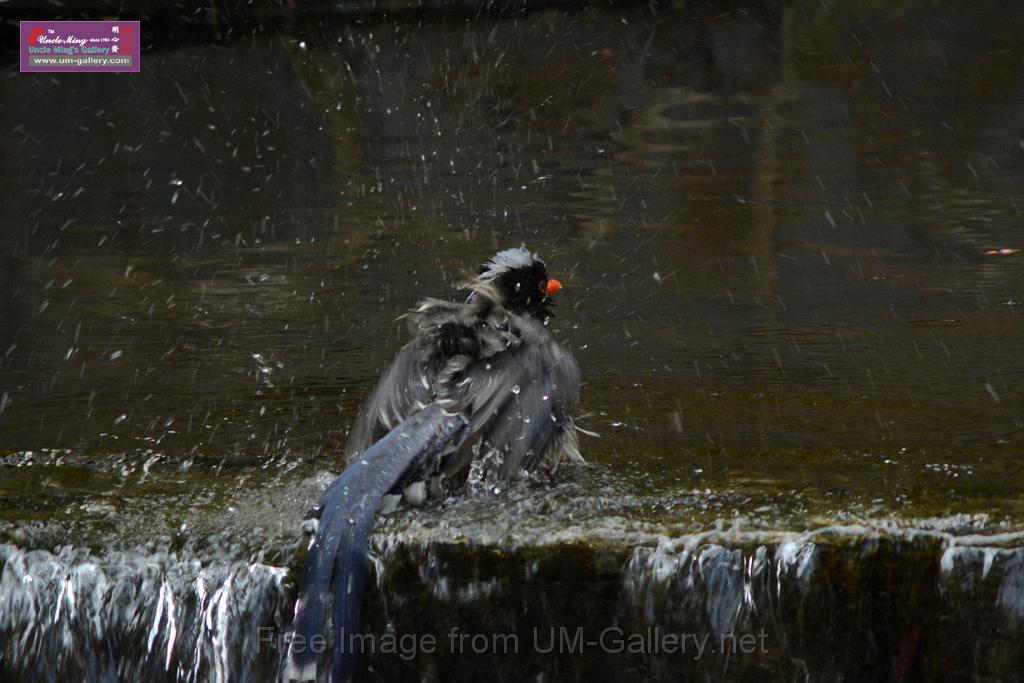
(779,231)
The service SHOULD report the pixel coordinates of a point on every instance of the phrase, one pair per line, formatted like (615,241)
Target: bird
(481,394)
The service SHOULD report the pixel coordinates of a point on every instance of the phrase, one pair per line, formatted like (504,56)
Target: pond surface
(788,237)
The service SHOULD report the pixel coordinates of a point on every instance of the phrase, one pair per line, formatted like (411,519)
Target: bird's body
(488,395)
(502,369)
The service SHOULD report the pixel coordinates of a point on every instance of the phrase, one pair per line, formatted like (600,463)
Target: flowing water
(788,234)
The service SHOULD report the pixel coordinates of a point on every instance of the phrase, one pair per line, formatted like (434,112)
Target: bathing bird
(481,394)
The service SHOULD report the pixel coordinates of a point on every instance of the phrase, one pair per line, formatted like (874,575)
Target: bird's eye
(543,287)
(519,286)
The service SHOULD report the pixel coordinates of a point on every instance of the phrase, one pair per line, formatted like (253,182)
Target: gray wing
(406,387)
(520,400)
(516,384)
(446,337)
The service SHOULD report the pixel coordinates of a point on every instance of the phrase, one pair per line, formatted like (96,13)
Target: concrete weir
(545,586)
(842,602)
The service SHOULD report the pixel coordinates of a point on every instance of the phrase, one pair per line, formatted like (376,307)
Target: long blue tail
(337,556)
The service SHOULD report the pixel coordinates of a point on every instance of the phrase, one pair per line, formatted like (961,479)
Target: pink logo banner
(50,46)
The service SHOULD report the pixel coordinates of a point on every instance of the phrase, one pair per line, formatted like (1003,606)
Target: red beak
(553,286)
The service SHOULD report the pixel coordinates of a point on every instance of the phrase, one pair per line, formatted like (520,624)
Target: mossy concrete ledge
(478,591)
(854,602)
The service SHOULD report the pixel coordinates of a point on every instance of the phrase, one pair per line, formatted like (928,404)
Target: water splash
(71,615)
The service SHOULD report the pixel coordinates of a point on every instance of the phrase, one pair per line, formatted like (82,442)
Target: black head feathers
(522,281)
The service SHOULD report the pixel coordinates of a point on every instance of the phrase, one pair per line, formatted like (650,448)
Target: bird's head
(522,282)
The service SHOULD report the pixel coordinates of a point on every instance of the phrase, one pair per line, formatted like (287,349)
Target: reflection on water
(774,231)
(774,225)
